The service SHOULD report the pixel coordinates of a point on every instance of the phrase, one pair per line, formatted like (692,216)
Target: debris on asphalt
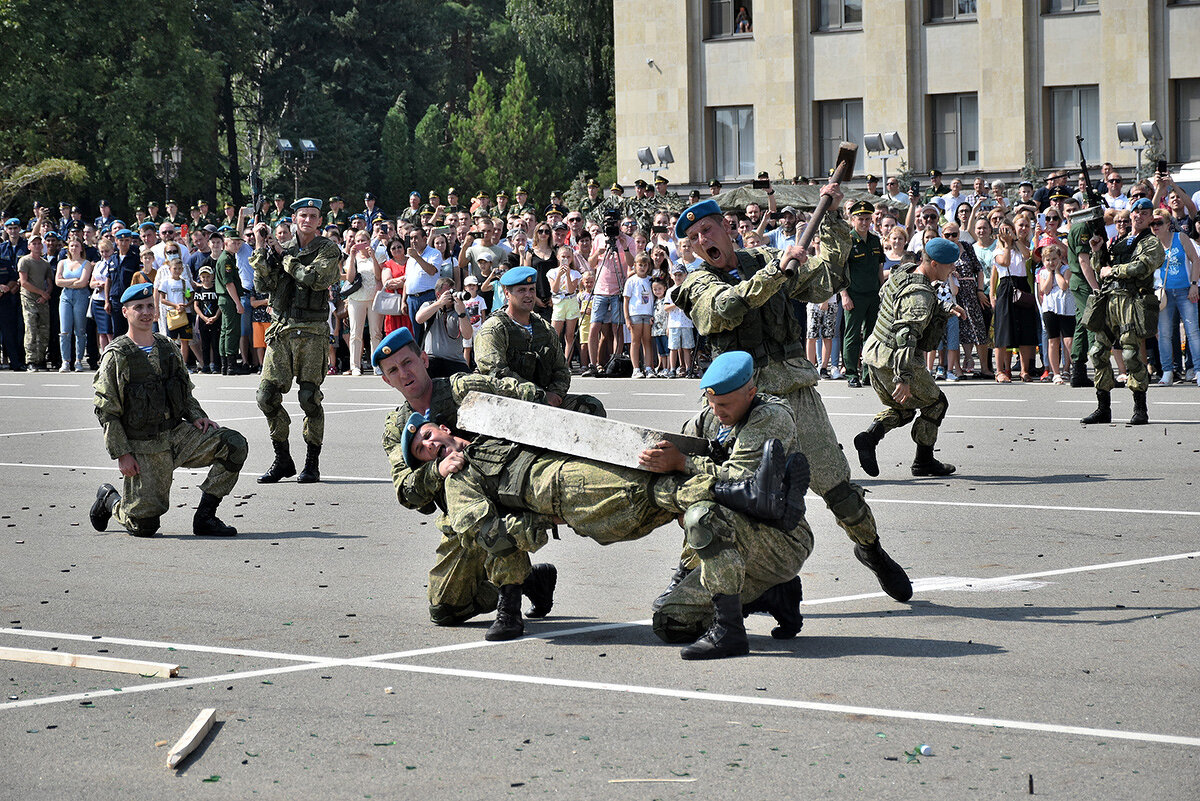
(192,737)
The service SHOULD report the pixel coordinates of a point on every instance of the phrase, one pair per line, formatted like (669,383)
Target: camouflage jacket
(768,418)
(298,281)
(504,349)
(911,321)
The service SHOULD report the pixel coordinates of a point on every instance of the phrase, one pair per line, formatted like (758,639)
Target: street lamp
(1127,138)
(883,146)
(297,163)
(647,158)
(166,165)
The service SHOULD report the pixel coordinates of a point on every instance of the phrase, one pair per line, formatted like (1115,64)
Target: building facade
(972,86)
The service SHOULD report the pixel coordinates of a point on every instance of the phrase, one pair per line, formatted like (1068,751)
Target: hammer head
(843,169)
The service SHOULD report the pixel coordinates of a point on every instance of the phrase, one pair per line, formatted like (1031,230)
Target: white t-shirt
(676,318)
(1119,202)
(416,280)
(366,269)
(574,279)
(640,294)
(172,288)
(1057,300)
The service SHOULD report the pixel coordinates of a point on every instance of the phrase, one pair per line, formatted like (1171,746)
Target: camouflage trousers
(1119,332)
(305,357)
(459,588)
(147,495)
(37,330)
(830,470)
(926,398)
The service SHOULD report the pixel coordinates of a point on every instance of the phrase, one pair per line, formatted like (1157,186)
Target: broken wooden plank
(192,737)
(573,433)
(90,662)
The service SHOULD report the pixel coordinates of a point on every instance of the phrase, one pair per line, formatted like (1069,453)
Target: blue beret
(693,213)
(125,233)
(519,276)
(411,427)
(137,292)
(118,222)
(729,371)
(357,217)
(390,344)
(146,224)
(308,203)
(1141,204)
(942,250)
(224,229)
(12,221)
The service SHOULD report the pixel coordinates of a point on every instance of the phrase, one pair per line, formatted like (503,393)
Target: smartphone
(441,230)
(1041,220)
(776,215)
(1161,167)
(658,229)
(761,183)
(914,188)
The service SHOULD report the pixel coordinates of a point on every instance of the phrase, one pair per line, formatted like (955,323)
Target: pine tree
(525,149)
(472,140)
(429,153)
(396,148)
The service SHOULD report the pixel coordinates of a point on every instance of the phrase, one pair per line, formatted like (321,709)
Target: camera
(464,296)
(612,224)
(914,188)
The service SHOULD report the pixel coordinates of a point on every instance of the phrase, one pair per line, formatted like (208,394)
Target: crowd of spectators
(605,282)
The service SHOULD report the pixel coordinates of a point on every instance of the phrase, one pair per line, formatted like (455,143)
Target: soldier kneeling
(153,424)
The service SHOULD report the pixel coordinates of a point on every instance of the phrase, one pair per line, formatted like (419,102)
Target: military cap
(519,276)
(434,193)
(369,196)
(714,182)
(501,194)
(124,233)
(277,197)
(332,227)
(335,199)
(556,208)
(1060,193)
(353,217)
(730,371)
(593,182)
(152,204)
(137,292)
(285,221)
(390,344)
(104,203)
(862,207)
(12,221)
(76,225)
(616,187)
(641,183)
(146,224)
(426,208)
(694,194)
(201,202)
(229,204)
(308,203)
(76,210)
(659,179)
(871,178)
(451,191)
(411,427)
(194,208)
(1141,204)
(481,195)
(521,191)
(935,173)
(64,204)
(942,250)
(695,213)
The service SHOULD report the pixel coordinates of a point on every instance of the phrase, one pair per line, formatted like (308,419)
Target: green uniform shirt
(298,281)
(864,264)
(768,418)
(225,272)
(910,316)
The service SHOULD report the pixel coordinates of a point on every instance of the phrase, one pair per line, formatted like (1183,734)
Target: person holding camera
(363,264)
(612,256)
(447,324)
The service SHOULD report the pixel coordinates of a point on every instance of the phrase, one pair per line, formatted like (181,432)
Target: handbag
(1162,297)
(176,319)
(389,303)
(1023,299)
(348,288)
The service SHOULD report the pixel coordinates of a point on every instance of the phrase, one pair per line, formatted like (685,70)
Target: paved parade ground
(1052,641)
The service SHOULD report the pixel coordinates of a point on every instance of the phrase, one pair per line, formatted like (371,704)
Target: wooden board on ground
(572,433)
(192,737)
(148,669)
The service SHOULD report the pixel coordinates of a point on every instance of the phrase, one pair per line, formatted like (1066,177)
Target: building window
(839,121)
(839,15)
(954,129)
(730,18)
(1068,6)
(733,142)
(951,10)
(1187,120)
(1074,110)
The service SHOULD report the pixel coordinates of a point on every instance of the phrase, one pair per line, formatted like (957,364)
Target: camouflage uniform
(911,322)
(504,349)
(458,582)
(754,315)
(521,208)
(146,408)
(1130,309)
(298,281)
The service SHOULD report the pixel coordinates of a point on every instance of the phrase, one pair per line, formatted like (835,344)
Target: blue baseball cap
(942,250)
(1141,204)
(393,342)
(411,427)
(694,213)
(519,276)
(729,371)
(137,292)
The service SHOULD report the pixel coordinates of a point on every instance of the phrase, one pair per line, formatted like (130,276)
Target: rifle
(1094,214)
(256,194)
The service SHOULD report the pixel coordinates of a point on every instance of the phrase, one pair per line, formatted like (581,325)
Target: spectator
(447,325)
(609,262)
(259,306)
(1015,304)
(173,291)
(894,244)
(741,22)
(681,332)
(73,275)
(449,268)
(658,331)
(476,313)
(564,291)
(1114,197)
(1175,283)
(1183,211)
(785,235)
(542,259)
(106,269)
(208,319)
(586,284)
(972,329)
(639,316)
(822,325)
(34,276)
(392,273)
(894,193)
(362,263)
(1057,305)
(420,277)
(961,217)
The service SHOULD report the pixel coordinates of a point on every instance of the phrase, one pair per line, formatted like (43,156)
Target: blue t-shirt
(1174,272)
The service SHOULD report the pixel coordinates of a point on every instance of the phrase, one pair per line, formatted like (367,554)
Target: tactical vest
(530,361)
(904,281)
(507,462)
(152,402)
(769,333)
(291,300)
(1122,251)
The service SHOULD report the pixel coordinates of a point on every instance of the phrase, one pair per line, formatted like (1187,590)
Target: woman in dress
(972,332)
(362,261)
(1016,320)
(541,258)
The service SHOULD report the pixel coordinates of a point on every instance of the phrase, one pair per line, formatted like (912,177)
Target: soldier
(523,204)
(411,215)
(298,278)
(173,215)
(106,218)
(205,217)
(1124,311)
(452,206)
(372,212)
(860,298)
(911,321)
(660,187)
(279,211)
(714,187)
(337,214)
(755,315)
(515,343)
(152,213)
(153,424)
(589,203)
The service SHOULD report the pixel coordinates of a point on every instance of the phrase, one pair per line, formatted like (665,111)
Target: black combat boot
(311,473)
(206,523)
(282,467)
(681,572)
(102,510)
(795,482)
(892,578)
(761,496)
(508,624)
(1103,413)
(782,602)
(1140,415)
(926,465)
(1079,377)
(727,634)
(224,365)
(539,589)
(865,443)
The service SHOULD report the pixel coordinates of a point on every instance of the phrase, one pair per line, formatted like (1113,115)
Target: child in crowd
(658,330)
(681,332)
(260,321)
(208,320)
(564,292)
(948,349)
(1058,306)
(477,311)
(639,315)
(173,293)
(587,284)
(822,325)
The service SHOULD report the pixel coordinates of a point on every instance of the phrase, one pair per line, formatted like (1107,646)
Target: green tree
(472,137)
(429,154)
(523,149)
(396,147)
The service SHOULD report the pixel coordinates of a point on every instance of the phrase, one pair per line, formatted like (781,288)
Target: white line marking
(1177,403)
(995,400)
(211,649)
(1116,423)
(203,401)
(1105,510)
(218,419)
(190,472)
(658,394)
(841,709)
(72,386)
(12,385)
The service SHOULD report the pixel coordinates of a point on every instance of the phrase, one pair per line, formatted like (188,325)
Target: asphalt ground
(1052,637)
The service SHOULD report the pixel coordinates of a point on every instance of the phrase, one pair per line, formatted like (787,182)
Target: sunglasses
(1156,224)
(1052,217)
(543,230)
(629,224)
(950,235)
(1115,181)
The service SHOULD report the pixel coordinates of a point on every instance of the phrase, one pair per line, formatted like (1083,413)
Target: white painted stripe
(72,386)
(1175,403)
(466,646)
(188,471)
(995,400)
(49,431)
(840,709)
(218,419)
(203,401)
(1116,423)
(1102,509)
(12,385)
(178,646)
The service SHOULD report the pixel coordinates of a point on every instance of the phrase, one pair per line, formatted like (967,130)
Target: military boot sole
(892,578)
(100,515)
(539,589)
(933,469)
(865,444)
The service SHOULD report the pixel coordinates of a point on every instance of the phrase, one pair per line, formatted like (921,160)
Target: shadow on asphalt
(1024,613)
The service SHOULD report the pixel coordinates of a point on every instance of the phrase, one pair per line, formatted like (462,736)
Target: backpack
(619,366)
